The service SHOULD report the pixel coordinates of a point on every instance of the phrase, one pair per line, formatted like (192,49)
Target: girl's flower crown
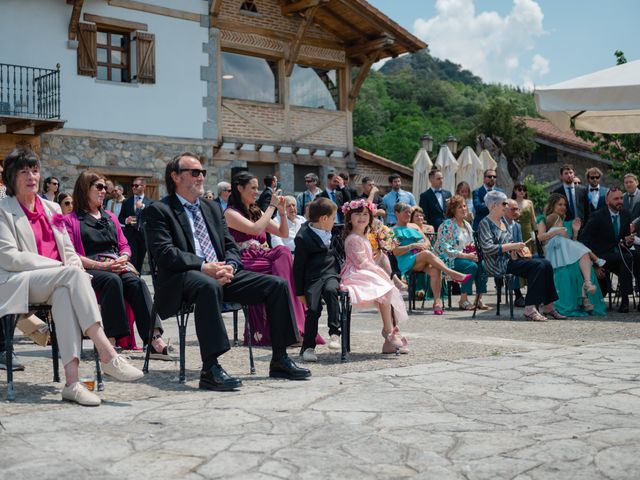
(356,204)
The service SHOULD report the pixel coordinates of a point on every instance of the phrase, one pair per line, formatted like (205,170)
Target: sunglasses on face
(309,181)
(490,176)
(595,177)
(136,185)
(67,203)
(100,186)
(504,204)
(195,172)
(521,189)
(53,183)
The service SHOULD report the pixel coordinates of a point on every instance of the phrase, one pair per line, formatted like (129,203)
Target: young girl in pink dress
(366,282)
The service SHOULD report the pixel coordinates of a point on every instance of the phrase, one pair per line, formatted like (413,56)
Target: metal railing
(29,91)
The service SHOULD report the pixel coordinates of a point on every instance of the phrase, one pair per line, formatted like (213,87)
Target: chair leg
(235,329)
(147,355)
(8,326)
(509,294)
(183,319)
(343,299)
(55,352)
(247,325)
(499,295)
(98,370)
(449,286)
(412,292)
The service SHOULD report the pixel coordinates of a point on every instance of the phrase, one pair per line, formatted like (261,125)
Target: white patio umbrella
(448,165)
(607,101)
(470,168)
(488,163)
(422,165)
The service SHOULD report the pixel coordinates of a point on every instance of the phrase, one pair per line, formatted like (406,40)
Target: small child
(367,282)
(316,274)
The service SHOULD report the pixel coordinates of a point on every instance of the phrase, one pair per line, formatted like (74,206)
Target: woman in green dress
(527,218)
(414,255)
(576,283)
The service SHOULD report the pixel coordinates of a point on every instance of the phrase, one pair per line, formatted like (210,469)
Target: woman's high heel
(589,287)
(464,279)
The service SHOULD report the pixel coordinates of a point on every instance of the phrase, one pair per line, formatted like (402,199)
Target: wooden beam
(296,44)
(357,84)
(360,49)
(300,5)
(17,125)
(214,8)
(75,18)
(148,8)
(115,23)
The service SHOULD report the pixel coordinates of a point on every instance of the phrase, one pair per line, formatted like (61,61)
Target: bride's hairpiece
(356,204)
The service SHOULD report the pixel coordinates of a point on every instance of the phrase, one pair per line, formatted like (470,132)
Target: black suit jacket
(598,233)
(264,199)
(433,212)
(582,200)
(129,210)
(170,241)
(313,264)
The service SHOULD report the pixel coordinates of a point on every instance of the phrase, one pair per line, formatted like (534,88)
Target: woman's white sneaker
(122,370)
(79,393)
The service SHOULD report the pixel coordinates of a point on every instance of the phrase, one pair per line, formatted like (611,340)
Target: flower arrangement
(471,248)
(355,204)
(382,237)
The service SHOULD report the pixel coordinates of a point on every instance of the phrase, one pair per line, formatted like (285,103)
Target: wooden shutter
(87,49)
(146,57)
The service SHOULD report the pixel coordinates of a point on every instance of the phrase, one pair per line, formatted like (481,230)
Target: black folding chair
(506,280)
(182,317)
(337,245)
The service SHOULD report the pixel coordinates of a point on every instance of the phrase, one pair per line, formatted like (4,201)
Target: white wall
(34,33)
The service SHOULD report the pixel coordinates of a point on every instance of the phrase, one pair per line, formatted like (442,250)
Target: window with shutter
(87,49)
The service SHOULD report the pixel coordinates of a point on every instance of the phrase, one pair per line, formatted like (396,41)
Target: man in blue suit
(479,206)
(433,201)
(596,193)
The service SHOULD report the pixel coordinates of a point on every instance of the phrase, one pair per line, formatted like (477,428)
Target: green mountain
(416,93)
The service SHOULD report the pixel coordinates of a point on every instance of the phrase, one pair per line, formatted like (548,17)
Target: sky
(523,42)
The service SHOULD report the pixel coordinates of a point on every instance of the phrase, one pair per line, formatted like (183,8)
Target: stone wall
(66,153)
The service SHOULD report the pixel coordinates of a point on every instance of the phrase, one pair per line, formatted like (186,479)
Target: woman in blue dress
(414,255)
(576,282)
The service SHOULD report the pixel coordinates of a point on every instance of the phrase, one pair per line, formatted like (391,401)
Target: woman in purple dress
(249,226)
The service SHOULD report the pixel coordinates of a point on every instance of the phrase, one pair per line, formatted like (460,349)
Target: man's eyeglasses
(594,177)
(100,186)
(490,176)
(513,209)
(195,172)
(136,185)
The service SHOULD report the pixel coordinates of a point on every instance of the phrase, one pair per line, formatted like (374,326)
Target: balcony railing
(29,91)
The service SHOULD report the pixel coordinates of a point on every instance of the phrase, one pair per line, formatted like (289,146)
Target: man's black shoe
(519,302)
(286,368)
(217,379)
(624,305)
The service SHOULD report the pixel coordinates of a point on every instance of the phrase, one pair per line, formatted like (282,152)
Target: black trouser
(247,288)
(328,290)
(113,290)
(135,238)
(616,261)
(539,274)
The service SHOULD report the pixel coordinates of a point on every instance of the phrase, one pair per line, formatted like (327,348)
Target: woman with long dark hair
(249,227)
(50,189)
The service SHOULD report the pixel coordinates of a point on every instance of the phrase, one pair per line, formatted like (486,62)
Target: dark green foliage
(417,93)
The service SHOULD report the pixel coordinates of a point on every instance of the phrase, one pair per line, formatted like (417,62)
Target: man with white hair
(224,191)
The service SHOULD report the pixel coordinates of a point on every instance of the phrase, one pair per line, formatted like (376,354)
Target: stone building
(268,85)
(555,148)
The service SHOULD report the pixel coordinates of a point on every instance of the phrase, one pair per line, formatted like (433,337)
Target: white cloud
(494,47)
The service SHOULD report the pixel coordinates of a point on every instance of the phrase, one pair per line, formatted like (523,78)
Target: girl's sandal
(466,305)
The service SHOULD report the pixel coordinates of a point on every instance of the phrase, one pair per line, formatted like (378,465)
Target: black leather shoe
(217,379)
(286,368)
(519,302)
(624,305)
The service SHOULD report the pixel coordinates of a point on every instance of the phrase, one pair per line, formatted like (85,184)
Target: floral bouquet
(471,248)
(382,237)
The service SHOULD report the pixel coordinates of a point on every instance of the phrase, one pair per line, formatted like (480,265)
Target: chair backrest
(539,246)
(337,242)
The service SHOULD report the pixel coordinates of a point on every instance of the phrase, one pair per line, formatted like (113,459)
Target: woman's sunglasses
(100,186)
(67,203)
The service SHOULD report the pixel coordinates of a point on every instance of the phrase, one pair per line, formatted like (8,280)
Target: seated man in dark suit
(608,235)
(316,272)
(433,201)
(198,262)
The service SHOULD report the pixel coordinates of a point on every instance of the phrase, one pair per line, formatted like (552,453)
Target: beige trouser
(73,303)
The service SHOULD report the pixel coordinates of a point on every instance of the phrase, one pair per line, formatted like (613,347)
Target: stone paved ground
(485,398)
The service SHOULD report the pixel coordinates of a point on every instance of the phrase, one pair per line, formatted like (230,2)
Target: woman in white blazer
(39,266)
